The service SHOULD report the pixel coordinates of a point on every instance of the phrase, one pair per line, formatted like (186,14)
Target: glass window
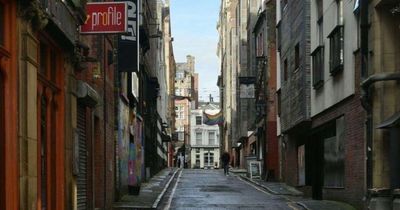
(260,45)
(211,137)
(318,66)
(296,56)
(285,69)
(198,120)
(336,50)
(278,94)
(333,143)
(198,138)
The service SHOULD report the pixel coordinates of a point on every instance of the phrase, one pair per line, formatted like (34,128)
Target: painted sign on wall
(106,17)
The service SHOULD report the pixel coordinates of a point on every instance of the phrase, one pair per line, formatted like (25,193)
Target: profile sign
(105,18)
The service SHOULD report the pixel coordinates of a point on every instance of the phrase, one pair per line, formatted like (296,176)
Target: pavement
(150,194)
(296,196)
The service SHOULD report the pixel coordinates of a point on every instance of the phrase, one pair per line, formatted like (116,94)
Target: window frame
(285,69)
(211,133)
(198,122)
(297,56)
(318,68)
(197,133)
(336,50)
(279,100)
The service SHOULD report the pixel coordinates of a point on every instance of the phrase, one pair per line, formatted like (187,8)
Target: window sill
(336,70)
(334,188)
(318,84)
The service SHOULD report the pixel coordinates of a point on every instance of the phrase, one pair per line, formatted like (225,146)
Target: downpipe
(378,199)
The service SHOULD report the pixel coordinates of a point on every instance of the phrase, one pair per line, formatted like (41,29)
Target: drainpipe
(366,102)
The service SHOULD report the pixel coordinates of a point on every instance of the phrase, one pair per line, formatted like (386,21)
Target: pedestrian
(225,158)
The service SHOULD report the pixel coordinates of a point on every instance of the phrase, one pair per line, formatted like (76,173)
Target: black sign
(128,44)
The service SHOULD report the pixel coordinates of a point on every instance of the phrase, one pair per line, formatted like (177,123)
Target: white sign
(247,91)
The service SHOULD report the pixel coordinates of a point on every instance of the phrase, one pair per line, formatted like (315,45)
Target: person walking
(225,158)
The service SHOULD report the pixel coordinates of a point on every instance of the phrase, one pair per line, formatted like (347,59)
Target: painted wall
(338,87)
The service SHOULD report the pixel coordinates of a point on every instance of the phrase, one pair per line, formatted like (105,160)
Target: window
(208,159)
(284,4)
(2,24)
(334,155)
(180,75)
(278,94)
(48,91)
(318,66)
(296,57)
(260,45)
(181,136)
(198,138)
(181,115)
(336,51)
(211,138)
(279,35)
(285,70)
(198,120)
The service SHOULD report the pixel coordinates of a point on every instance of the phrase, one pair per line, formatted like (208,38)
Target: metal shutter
(81,180)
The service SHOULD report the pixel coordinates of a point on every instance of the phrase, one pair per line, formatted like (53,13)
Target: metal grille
(82,181)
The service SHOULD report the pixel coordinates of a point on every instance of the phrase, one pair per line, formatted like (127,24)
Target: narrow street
(210,189)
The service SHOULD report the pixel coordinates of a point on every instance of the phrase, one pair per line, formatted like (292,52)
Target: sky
(193,25)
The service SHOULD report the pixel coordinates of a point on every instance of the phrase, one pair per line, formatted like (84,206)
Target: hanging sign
(128,44)
(105,17)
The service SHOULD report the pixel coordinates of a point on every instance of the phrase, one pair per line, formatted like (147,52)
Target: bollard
(396,201)
(380,199)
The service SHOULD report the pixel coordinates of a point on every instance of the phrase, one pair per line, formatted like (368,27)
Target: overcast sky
(194,30)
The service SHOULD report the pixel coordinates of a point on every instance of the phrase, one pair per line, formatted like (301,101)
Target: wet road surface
(210,189)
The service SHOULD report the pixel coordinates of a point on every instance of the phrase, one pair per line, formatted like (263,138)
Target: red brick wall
(272,160)
(104,138)
(354,116)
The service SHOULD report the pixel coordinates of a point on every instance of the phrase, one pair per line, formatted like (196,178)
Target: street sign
(105,18)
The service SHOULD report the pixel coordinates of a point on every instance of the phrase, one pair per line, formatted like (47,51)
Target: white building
(204,140)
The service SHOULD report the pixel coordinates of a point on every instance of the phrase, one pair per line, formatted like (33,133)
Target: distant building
(186,86)
(204,141)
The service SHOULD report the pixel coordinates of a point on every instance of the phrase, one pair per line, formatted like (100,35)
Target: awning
(392,121)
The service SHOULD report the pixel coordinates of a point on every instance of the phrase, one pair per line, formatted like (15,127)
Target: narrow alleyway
(210,189)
